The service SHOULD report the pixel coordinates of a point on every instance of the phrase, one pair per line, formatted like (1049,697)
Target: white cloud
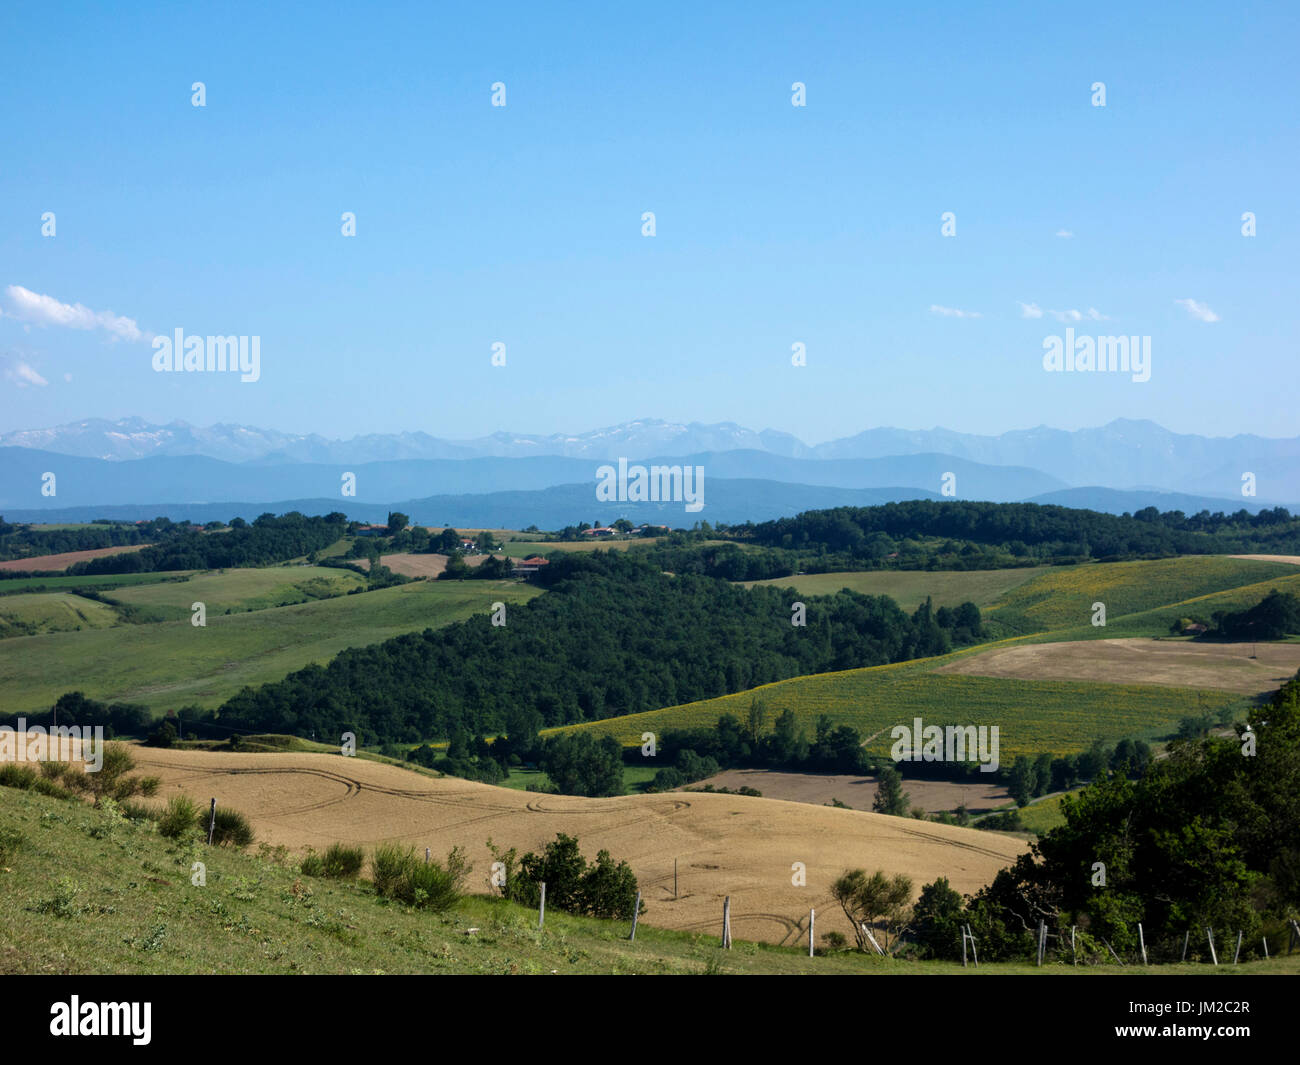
(953,312)
(1032,310)
(1064,234)
(1199,311)
(22,374)
(37,309)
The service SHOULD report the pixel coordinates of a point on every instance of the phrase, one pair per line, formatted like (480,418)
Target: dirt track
(724,844)
(1176,663)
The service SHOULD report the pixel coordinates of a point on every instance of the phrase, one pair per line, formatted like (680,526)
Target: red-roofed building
(528,566)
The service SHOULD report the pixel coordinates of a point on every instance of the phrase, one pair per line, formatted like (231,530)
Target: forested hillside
(612,636)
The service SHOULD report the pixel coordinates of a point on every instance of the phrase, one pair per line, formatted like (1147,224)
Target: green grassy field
(172,664)
(635,778)
(1062,597)
(98,582)
(1062,717)
(909,588)
(235,590)
(38,612)
(1043,816)
(85,893)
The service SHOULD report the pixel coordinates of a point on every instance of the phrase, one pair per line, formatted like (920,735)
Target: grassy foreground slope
(84,895)
(172,664)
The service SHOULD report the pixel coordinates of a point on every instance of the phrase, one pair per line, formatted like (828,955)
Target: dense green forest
(613,635)
(24,541)
(955,535)
(177,545)
(267,540)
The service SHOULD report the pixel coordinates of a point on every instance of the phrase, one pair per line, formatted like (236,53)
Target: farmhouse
(527,567)
(600,530)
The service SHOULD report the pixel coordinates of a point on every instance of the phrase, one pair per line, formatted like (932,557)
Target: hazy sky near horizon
(775,224)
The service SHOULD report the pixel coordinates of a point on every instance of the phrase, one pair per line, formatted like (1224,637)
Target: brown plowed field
(724,844)
(858,791)
(1174,663)
(63,561)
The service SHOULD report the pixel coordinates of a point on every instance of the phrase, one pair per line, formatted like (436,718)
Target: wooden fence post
(812,923)
(1186,936)
(1112,950)
(426,855)
(1238,953)
(1209,934)
(212,821)
(674,879)
(963,946)
(1042,940)
(541,909)
(1142,943)
(1265,938)
(1073,952)
(973,949)
(636,912)
(726,923)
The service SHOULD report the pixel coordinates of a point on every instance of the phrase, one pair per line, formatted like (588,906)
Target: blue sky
(774,224)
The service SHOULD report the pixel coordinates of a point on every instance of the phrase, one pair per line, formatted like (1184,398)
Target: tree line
(267,540)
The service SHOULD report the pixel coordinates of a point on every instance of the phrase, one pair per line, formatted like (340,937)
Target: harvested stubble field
(51,563)
(418,565)
(1231,667)
(724,844)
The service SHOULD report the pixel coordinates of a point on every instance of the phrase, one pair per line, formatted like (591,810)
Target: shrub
(230,827)
(17,776)
(387,864)
(149,785)
(53,770)
(338,861)
(137,811)
(179,817)
(45,786)
(604,889)
(400,874)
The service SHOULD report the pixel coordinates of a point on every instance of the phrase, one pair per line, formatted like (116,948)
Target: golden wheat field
(1246,668)
(724,844)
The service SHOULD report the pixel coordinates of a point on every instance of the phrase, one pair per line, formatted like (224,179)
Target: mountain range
(1124,465)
